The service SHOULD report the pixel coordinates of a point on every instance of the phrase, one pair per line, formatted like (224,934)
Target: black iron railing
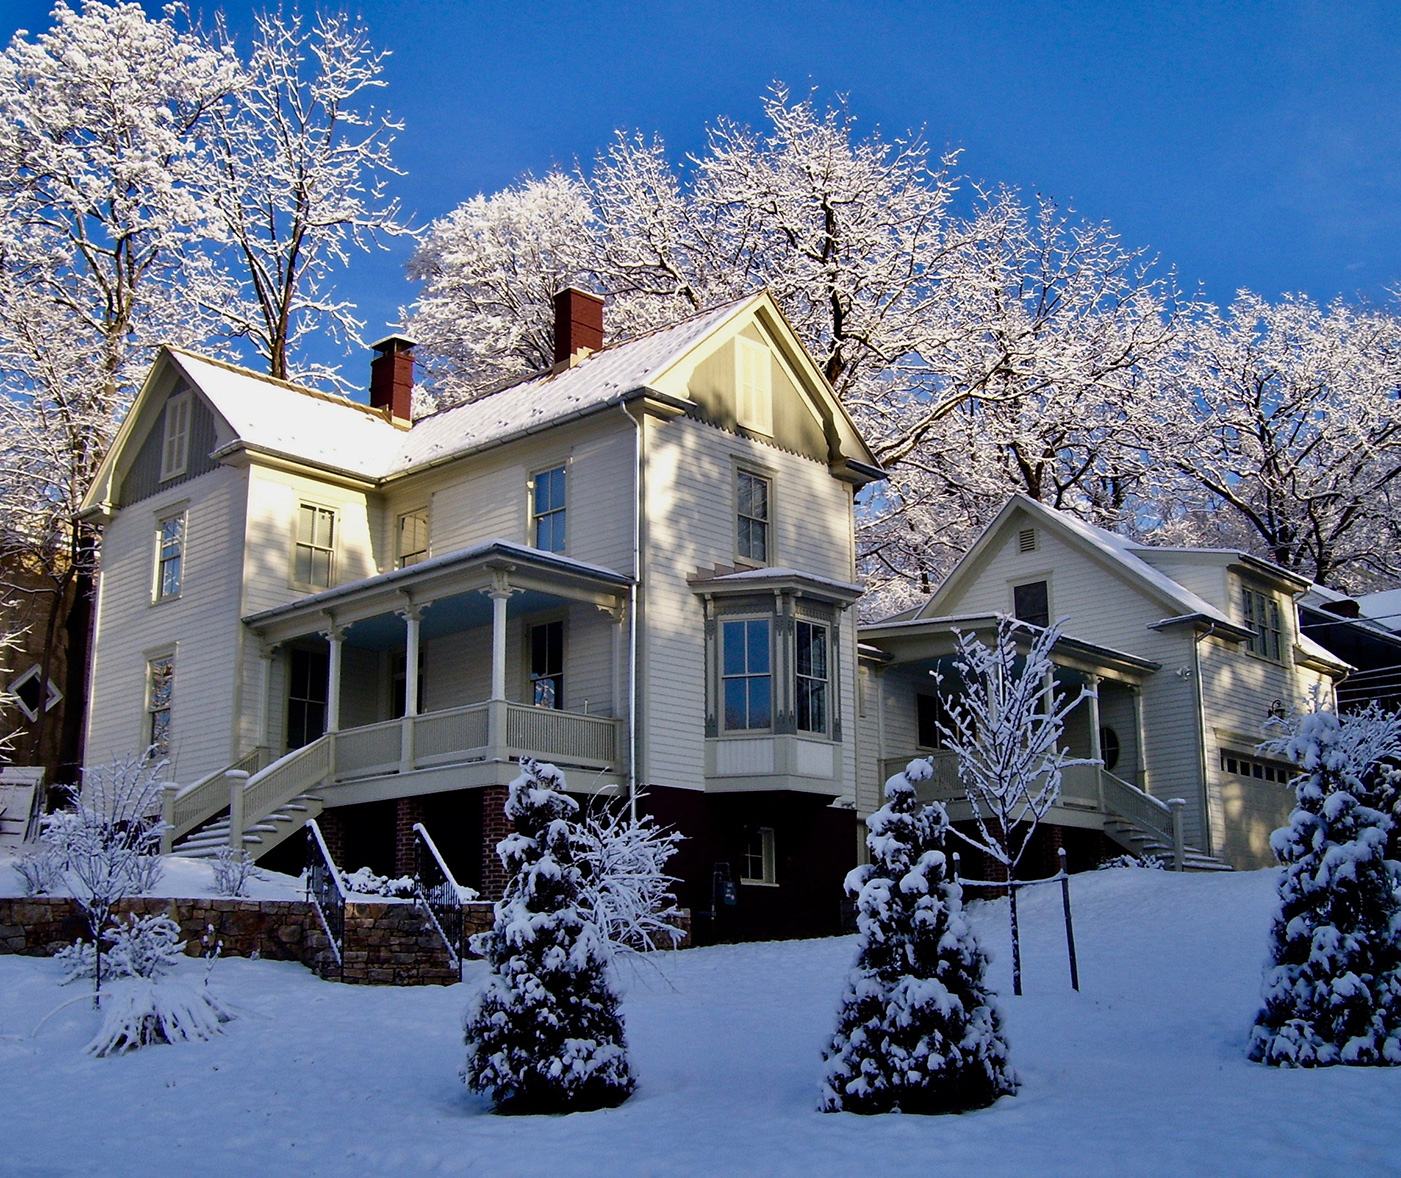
(438,892)
(326,890)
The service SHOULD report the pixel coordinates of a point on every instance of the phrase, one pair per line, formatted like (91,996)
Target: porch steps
(260,837)
(1137,841)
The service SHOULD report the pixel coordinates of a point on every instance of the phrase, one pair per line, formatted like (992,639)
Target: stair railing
(1162,819)
(439,893)
(326,890)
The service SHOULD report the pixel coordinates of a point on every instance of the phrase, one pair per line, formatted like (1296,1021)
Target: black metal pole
(1069,923)
(1016,939)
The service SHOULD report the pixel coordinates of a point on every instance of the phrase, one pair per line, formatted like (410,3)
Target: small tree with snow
(1332,988)
(1005,729)
(918,1031)
(546,1034)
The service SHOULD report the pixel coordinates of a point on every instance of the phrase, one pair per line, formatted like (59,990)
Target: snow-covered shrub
(109,839)
(40,872)
(1332,989)
(918,1031)
(546,1034)
(625,890)
(141,947)
(233,868)
(140,1011)
(1147,862)
(365,882)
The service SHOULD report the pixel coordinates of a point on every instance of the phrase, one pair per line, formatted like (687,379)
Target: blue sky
(1247,144)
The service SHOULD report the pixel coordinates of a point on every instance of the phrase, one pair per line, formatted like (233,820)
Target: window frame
(401,560)
(307,699)
(746,675)
(767,856)
(1234,763)
(1267,635)
(757,415)
(158,588)
(178,410)
(311,546)
(939,719)
(158,739)
(802,712)
(1024,582)
(559,513)
(766,478)
(556,676)
(48,699)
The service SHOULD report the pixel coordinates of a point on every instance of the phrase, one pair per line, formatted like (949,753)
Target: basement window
(759,864)
(1239,765)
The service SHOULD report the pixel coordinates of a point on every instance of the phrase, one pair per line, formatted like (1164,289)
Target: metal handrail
(439,892)
(326,889)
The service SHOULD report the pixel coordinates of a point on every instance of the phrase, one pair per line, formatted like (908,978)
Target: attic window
(753,386)
(28,691)
(175,447)
(1026,540)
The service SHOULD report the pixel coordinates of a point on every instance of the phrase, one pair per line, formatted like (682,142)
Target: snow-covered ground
(183,879)
(1143,1072)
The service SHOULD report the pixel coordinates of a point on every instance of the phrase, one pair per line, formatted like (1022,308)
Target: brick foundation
(407,811)
(495,827)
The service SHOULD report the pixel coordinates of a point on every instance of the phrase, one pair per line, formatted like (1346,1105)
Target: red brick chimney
(391,376)
(578,323)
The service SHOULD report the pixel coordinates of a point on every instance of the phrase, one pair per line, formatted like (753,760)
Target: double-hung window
(160,682)
(548,502)
(753,517)
(747,674)
(316,546)
(547,665)
(412,539)
(811,667)
(306,696)
(759,860)
(175,443)
(1262,616)
(170,556)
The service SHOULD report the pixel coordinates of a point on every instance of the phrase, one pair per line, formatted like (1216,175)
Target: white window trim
(743,468)
(563,464)
(175,464)
(768,852)
(148,711)
(1285,638)
(50,698)
(297,543)
(1014,583)
(425,510)
(758,414)
(162,518)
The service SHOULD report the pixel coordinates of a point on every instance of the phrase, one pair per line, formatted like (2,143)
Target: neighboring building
(637,565)
(1365,632)
(1190,651)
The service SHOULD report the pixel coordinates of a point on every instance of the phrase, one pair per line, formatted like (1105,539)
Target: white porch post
(496,726)
(335,636)
(412,615)
(264,733)
(1096,751)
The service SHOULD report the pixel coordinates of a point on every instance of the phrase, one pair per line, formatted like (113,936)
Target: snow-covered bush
(918,1031)
(109,839)
(141,947)
(141,1011)
(624,887)
(1332,989)
(40,872)
(365,882)
(233,868)
(1147,862)
(546,1034)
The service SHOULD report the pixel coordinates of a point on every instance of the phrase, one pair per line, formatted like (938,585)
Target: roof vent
(391,376)
(1026,540)
(578,323)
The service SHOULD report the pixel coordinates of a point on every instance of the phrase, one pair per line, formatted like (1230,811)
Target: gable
(139,472)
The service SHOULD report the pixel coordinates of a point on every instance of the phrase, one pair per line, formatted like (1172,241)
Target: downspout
(632,606)
(1201,736)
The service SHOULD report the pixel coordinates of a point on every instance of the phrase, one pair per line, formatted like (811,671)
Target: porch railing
(444,736)
(195,803)
(439,893)
(568,735)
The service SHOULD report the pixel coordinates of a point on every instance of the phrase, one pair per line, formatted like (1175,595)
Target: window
(160,679)
(748,682)
(306,696)
(398,683)
(1031,603)
(753,386)
(759,867)
(170,556)
(1256,769)
(1262,616)
(753,496)
(175,446)
(549,510)
(412,538)
(547,665)
(811,664)
(1109,747)
(316,545)
(929,711)
(28,691)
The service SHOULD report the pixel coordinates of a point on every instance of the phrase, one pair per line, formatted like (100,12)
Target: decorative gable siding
(144,478)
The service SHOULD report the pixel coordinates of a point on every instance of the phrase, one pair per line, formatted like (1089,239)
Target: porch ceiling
(446,615)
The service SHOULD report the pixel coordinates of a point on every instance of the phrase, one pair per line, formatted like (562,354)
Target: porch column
(334,636)
(412,614)
(263,735)
(1096,751)
(499,593)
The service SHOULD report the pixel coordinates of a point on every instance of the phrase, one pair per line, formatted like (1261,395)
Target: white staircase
(260,838)
(1150,828)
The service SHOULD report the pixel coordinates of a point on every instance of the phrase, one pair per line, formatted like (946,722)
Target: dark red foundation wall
(814,847)
(1084,850)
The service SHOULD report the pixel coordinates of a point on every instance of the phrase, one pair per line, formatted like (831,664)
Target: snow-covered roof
(1384,608)
(345,435)
(766,573)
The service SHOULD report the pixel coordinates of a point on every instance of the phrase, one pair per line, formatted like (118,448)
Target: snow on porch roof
(335,432)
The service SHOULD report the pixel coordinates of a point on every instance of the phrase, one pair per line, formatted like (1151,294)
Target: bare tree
(300,178)
(1005,728)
